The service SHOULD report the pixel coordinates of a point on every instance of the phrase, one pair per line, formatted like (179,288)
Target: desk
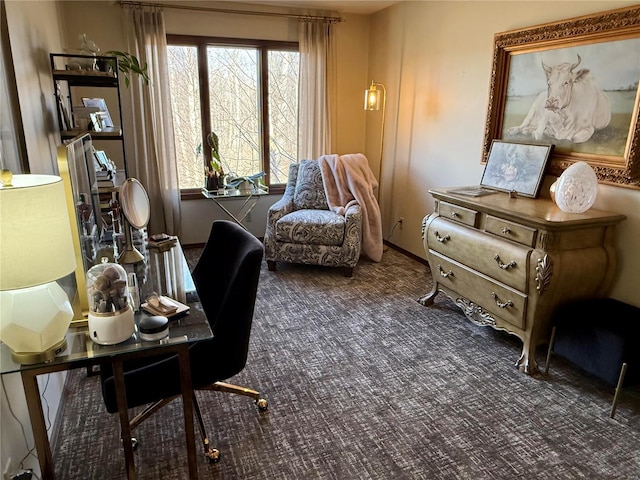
(252,197)
(82,352)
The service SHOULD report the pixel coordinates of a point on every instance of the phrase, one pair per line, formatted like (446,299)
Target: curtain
(316,88)
(154,155)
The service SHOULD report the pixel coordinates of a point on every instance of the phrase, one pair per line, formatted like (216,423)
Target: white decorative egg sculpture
(577,188)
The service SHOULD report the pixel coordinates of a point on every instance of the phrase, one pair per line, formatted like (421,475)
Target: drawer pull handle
(455,214)
(442,239)
(445,274)
(506,230)
(506,304)
(504,266)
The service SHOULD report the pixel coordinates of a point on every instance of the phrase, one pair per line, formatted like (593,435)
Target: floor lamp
(375,98)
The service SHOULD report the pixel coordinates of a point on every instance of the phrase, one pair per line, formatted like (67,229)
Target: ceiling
(361,7)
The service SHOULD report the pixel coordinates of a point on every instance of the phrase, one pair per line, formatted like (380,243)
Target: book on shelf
(104,183)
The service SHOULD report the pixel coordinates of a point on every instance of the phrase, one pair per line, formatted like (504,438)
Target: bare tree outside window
(252,109)
(283,112)
(185,103)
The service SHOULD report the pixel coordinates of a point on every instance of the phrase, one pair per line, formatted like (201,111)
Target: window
(244,91)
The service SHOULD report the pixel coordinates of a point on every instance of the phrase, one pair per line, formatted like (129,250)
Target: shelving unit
(73,72)
(76,77)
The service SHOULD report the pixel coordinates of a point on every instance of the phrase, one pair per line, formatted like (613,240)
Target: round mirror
(135,203)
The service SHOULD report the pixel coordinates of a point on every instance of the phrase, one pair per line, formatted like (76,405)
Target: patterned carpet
(365,383)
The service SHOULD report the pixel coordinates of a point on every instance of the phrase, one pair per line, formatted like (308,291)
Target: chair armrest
(353,214)
(279,210)
(353,235)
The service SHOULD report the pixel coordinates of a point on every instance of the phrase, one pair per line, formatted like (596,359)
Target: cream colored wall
(34,30)
(435,58)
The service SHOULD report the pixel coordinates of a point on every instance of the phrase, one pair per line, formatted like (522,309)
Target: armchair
(302,229)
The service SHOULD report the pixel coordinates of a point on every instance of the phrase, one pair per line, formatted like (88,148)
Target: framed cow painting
(573,84)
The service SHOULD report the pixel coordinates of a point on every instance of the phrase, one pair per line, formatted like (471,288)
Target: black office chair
(226,279)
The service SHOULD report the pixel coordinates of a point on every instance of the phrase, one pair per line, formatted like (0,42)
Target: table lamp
(36,249)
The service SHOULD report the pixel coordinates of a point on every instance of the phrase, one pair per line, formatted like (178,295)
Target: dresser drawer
(504,261)
(499,300)
(509,230)
(462,215)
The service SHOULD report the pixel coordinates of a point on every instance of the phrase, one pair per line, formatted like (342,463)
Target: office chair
(226,279)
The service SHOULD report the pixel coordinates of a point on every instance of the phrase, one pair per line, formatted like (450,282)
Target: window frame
(263,47)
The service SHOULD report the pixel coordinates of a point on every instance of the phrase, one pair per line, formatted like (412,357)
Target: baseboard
(407,253)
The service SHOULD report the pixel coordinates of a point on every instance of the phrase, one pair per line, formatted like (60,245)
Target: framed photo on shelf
(516,167)
(101,106)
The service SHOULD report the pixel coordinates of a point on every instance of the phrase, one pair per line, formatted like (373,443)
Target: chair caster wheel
(262,404)
(213,455)
(134,443)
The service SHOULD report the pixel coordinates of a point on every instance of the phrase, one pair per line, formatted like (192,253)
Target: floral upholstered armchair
(302,229)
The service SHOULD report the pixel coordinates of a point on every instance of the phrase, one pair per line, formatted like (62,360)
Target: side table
(251,199)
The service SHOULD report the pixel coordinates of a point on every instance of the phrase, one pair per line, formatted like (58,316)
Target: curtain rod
(316,18)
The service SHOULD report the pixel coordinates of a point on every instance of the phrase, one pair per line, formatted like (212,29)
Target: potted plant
(214,173)
(129,64)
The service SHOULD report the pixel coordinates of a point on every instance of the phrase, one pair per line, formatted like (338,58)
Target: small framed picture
(96,124)
(100,105)
(516,167)
(101,159)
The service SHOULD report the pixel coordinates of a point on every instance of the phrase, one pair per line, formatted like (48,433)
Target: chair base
(212,454)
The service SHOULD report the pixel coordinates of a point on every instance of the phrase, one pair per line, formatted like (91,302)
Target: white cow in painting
(572,108)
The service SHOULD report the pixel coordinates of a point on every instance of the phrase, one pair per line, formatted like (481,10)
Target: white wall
(435,58)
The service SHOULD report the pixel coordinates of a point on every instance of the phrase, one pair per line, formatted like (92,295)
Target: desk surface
(82,350)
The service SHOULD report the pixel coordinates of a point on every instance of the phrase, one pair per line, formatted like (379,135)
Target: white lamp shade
(35,235)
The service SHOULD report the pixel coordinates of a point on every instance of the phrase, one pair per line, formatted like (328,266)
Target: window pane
(185,103)
(233,87)
(283,113)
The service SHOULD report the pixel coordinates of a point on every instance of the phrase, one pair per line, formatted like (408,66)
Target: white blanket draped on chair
(347,179)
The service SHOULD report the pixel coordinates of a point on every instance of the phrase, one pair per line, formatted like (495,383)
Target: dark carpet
(365,383)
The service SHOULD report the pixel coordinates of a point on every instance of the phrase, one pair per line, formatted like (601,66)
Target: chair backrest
(309,191)
(226,279)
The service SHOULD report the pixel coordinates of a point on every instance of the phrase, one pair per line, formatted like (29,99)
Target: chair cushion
(309,192)
(314,227)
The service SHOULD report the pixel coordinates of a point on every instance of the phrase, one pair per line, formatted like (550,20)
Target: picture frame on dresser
(516,167)
(573,83)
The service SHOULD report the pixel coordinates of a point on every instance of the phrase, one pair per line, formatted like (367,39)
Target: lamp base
(31,358)
(130,256)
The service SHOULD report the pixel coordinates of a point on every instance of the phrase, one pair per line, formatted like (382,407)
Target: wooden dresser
(508,262)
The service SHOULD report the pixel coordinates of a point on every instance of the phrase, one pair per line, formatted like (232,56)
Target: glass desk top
(152,275)
(223,193)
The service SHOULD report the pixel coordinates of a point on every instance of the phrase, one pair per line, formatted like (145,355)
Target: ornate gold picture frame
(573,84)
